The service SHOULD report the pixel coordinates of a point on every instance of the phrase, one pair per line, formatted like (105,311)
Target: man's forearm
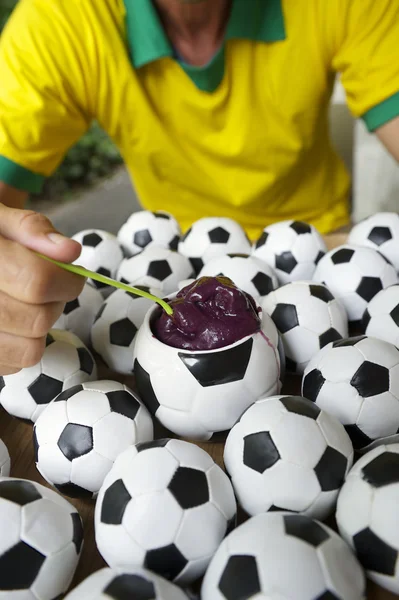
(389,136)
(10,196)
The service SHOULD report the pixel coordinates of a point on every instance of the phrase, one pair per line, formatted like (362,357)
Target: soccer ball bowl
(196,394)
(381,232)
(145,228)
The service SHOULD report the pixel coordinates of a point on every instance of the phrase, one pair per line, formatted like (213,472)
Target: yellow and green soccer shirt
(244,137)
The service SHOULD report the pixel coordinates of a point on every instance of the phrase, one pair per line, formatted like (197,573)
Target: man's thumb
(34,231)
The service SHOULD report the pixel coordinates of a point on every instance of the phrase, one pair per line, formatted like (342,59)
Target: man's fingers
(28,320)
(19,353)
(4,370)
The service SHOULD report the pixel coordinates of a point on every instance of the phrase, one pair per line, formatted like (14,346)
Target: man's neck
(195,28)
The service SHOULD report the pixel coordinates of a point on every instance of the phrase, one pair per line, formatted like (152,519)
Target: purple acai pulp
(209,313)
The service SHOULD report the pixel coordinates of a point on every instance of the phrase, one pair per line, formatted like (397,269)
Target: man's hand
(33,291)
(389,136)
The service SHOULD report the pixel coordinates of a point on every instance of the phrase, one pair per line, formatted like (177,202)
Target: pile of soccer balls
(168,520)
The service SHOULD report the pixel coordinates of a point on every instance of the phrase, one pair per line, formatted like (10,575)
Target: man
(219,107)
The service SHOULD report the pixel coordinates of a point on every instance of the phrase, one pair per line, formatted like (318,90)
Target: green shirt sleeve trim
(19,177)
(382,113)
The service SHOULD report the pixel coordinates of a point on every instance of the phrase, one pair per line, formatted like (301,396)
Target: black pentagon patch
(352,341)
(161,443)
(189,487)
(331,335)
(106,273)
(75,440)
(114,503)
(142,238)
(260,452)
(221,367)
(312,384)
(366,320)
(262,240)
(71,306)
(218,235)
(92,239)
(262,283)
(358,437)
(369,287)
(331,470)
(77,528)
(240,579)
(167,561)
(2,384)
(290,364)
(174,243)
(121,333)
(319,256)
(328,596)
(144,387)
(197,264)
(100,312)
(159,269)
(370,379)
(395,315)
(305,529)
(185,236)
(19,491)
(301,406)
(35,445)
(19,567)
(285,317)
(343,255)
(374,554)
(129,586)
(73,491)
(49,340)
(123,403)
(68,393)
(286,262)
(321,292)
(161,215)
(380,235)
(44,389)
(300,227)
(275,508)
(86,360)
(382,470)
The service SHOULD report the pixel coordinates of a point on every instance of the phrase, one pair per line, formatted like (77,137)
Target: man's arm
(10,196)
(389,136)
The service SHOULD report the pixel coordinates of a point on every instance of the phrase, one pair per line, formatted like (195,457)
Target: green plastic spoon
(78,270)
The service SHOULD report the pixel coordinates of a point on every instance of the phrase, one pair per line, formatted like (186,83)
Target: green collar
(258,20)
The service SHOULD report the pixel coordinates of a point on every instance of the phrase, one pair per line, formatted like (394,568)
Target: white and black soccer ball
(367,514)
(282,556)
(211,237)
(80,434)
(78,315)
(113,334)
(287,454)
(291,248)
(381,317)
(357,381)
(156,267)
(145,228)
(196,394)
(166,506)
(101,252)
(355,274)
(5,461)
(126,584)
(381,232)
(308,317)
(66,362)
(247,272)
(41,541)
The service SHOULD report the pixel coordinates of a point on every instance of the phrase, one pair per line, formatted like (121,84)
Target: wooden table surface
(17,436)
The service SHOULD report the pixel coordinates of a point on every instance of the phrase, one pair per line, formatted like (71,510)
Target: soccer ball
(156,267)
(78,315)
(291,248)
(122,584)
(211,237)
(145,228)
(367,513)
(80,434)
(283,556)
(357,380)
(195,394)
(355,274)
(114,331)
(41,541)
(247,272)
(307,317)
(5,461)
(287,454)
(381,317)
(166,506)
(66,362)
(381,232)
(101,252)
